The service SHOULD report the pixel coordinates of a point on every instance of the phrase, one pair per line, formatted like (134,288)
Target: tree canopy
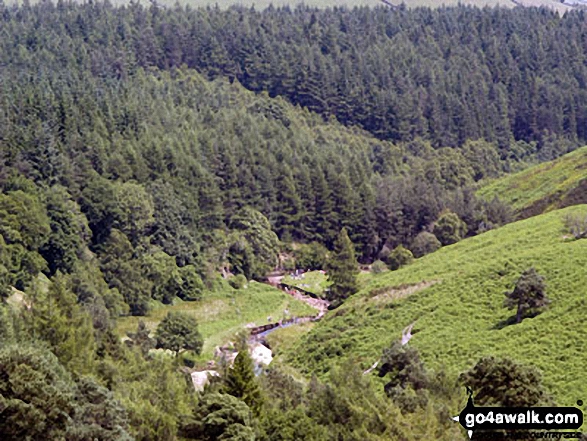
(178,332)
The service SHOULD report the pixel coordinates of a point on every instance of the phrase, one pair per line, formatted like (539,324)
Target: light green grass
(283,339)
(223,313)
(312,281)
(457,318)
(543,186)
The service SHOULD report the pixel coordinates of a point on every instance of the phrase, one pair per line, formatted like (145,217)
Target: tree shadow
(512,321)
(503,323)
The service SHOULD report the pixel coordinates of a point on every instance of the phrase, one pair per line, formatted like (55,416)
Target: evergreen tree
(141,339)
(343,270)
(57,318)
(217,417)
(241,382)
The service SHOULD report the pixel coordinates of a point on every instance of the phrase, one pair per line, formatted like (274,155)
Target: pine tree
(241,382)
(343,270)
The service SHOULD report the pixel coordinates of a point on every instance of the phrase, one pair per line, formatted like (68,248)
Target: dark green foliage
(242,259)
(255,250)
(449,228)
(98,202)
(178,332)
(503,382)
(141,339)
(528,297)
(69,231)
(241,382)
(161,270)
(292,425)
(404,369)
(191,286)
(177,177)
(57,318)
(342,270)
(238,282)
(174,222)
(24,227)
(347,412)
(136,210)
(98,415)
(378,267)
(87,282)
(123,272)
(425,243)
(399,257)
(40,400)
(37,394)
(219,416)
(312,256)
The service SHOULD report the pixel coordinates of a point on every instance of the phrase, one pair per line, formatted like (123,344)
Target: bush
(491,380)
(449,228)
(425,243)
(378,267)
(528,296)
(238,282)
(577,225)
(399,257)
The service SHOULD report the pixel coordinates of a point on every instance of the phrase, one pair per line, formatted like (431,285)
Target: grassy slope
(224,312)
(544,187)
(456,318)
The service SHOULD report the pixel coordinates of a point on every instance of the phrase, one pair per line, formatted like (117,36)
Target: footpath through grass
(224,312)
(460,317)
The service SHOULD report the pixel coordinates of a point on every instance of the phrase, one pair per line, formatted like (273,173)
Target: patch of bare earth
(399,292)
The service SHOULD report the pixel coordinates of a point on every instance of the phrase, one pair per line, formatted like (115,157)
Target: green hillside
(556,184)
(459,311)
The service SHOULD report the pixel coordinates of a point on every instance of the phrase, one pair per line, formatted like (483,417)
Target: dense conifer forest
(145,150)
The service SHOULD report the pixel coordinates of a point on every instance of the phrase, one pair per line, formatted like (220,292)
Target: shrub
(577,225)
(238,282)
(378,267)
(399,257)
(528,296)
(425,243)
(449,228)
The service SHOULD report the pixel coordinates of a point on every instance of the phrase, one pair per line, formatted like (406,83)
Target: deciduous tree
(528,296)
